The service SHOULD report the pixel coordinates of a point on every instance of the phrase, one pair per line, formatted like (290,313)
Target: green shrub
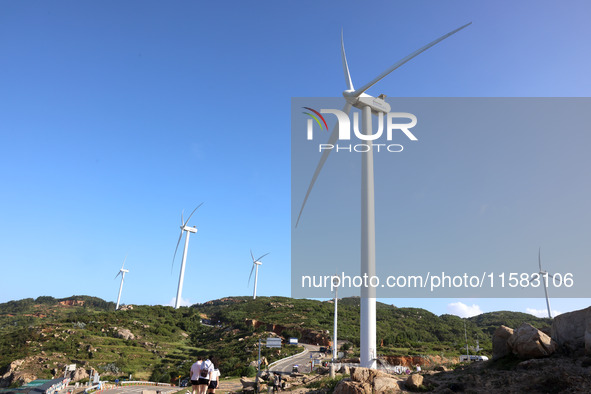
(249,371)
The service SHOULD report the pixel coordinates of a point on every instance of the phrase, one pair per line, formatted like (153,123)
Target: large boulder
(414,381)
(350,387)
(79,374)
(9,376)
(125,333)
(572,331)
(499,342)
(247,383)
(529,342)
(384,384)
(362,375)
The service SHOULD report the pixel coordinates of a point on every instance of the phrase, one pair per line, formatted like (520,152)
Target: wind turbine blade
(250,276)
(345,65)
(333,137)
(251,255)
(192,214)
(399,63)
(259,259)
(175,250)
(118,273)
(124,262)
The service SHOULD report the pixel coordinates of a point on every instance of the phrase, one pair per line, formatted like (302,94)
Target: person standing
(195,372)
(277,382)
(204,376)
(213,380)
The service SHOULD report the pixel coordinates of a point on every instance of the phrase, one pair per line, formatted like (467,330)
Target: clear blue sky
(116,116)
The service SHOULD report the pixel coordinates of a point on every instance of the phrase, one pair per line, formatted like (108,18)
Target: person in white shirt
(214,379)
(205,371)
(195,372)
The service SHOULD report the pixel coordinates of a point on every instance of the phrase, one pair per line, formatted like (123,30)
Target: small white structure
(465,358)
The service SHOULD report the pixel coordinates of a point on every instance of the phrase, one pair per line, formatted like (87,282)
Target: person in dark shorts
(195,372)
(204,376)
(213,381)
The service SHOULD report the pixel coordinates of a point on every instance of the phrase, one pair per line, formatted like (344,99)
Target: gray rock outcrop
(572,331)
(499,342)
(529,342)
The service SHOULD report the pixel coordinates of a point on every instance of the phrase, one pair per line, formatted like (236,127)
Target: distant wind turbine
(255,267)
(189,230)
(334,341)
(368,105)
(121,272)
(544,275)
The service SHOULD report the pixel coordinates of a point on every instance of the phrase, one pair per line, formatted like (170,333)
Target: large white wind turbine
(189,230)
(121,272)
(255,267)
(368,105)
(335,349)
(544,278)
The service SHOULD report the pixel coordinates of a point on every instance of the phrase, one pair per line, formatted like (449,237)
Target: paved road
(139,389)
(302,361)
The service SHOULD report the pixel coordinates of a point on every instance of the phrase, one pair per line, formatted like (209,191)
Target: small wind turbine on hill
(121,272)
(368,105)
(189,230)
(255,268)
(544,275)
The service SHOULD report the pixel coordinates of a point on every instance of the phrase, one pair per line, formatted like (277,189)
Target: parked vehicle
(466,358)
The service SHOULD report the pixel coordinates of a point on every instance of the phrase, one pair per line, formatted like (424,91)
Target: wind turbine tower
(544,275)
(189,231)
(334,340)
(377,106)
(255,267)
(121,272)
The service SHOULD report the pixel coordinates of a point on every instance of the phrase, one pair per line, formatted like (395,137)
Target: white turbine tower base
(121,272)
(255,267)
(367,104)
(189,231)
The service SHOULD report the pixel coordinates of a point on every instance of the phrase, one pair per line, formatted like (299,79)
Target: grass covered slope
(160,343)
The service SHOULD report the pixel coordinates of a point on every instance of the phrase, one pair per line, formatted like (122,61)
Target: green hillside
(164,342)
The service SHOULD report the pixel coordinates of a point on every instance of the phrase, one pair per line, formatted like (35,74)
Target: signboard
(274,342)
(293,341)
(70,367)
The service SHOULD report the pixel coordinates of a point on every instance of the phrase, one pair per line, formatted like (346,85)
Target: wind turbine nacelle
(189,229)
(258,263)
(376,104)
(124,271)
